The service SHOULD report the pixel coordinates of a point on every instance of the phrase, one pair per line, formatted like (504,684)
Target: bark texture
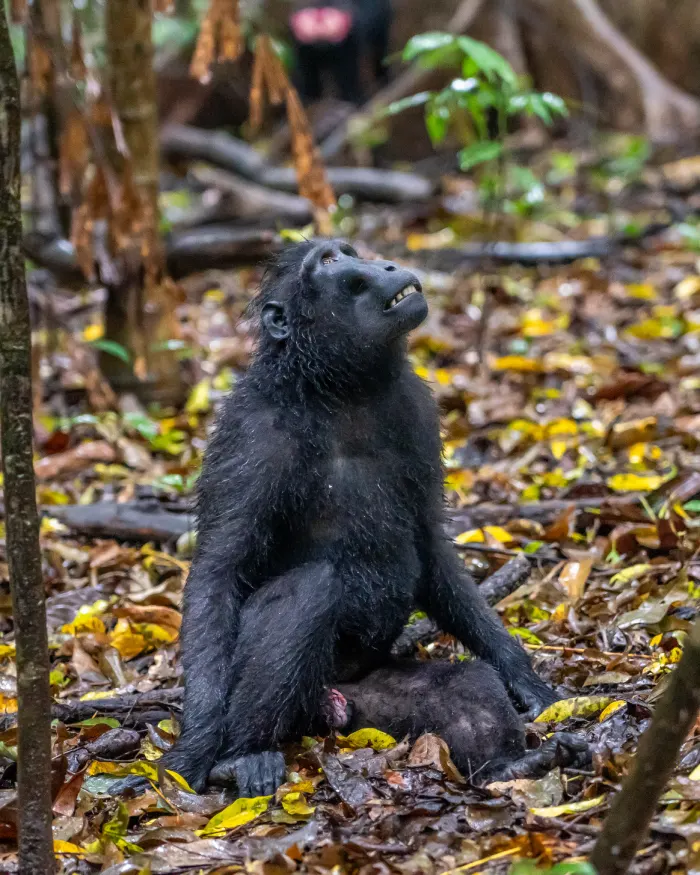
(132,85)
(634,806)
(22,522)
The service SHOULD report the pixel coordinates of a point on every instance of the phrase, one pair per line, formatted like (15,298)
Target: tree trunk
(132,84)
(633,808)
(22,522)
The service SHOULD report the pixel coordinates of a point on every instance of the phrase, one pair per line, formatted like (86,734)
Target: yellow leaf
(126,640)
(239,812)
(199,402)
(627,575)
(525,634)
(578,706)
(8,705)
(179,780)
(369,738)
(98,694)
(695,774)
(516,363)
(92,333)
(61,847)
(611,709)
(295,804)
(478,536)
(687,288)
(637,482)
(7,651)
(574,575)
(558,449)
(641,291)
(569,808)
(156,635)
(84,624)
(121,770)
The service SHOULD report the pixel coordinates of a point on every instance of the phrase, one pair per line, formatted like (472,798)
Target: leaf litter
(573,439)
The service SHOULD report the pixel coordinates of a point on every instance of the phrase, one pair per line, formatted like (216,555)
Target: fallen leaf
(578,706)
(369,738)
(574,575)
(239,812)
(568,808)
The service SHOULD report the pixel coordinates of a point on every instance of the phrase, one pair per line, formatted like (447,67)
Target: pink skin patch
(335,709)
(323,25)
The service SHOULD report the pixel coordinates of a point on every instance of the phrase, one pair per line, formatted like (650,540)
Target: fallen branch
(226,152)
(634,806)
(133,705)
(495,514)
(506,580)
(131,521)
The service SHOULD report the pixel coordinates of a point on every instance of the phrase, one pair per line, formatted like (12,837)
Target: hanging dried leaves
(18,11)
(78,70)
(95,206)
(269,81)
(220,38)
(311,174)
(40,66)
(74,152)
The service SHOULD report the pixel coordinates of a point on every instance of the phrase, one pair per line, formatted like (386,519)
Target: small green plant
(477,107)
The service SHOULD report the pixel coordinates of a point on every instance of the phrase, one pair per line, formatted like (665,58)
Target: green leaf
(112,348)
(437,122)
(692,506)
(479,153)
(426,42)
(408,102)
(489,62)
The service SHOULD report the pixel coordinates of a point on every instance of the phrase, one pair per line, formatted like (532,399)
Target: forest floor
(575,441)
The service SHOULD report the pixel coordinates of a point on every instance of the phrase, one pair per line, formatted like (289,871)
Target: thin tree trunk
(132,83)
(22,522)
(633,808)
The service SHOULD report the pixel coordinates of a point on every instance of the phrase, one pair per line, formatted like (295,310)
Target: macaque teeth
(409,290)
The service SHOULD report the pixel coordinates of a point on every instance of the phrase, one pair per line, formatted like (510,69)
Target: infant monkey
(464,703)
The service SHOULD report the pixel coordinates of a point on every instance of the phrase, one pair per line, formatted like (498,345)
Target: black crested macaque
(320,521)
(334,37)
(464,703)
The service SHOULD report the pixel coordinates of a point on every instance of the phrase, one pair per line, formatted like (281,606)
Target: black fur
(464,703)
(368,38)
(320,521)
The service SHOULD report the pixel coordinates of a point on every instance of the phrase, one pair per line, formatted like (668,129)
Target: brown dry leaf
(574,575)
(312,178)
(95,206)
(74,152)
(430,751)
(78,70)
(159,615)
(269,80)
(77,459)
(18,11)
(40,66)
(220,38)
(65,802)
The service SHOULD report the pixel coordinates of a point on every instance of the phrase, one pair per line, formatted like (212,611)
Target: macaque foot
(565,749)
(256,774)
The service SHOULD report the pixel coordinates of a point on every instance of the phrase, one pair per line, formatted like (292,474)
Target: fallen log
(219,246)
(364,183)
(247,201)
(219,148)
(497,514)
(131,521)
(229,153)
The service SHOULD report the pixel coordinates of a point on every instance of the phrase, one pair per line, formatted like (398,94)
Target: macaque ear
(274,320)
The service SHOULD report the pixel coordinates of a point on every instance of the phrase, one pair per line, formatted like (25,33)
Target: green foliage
(111,347)
(530,867)
(487,89)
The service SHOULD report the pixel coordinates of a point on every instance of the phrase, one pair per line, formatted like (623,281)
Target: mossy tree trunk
(22,521)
